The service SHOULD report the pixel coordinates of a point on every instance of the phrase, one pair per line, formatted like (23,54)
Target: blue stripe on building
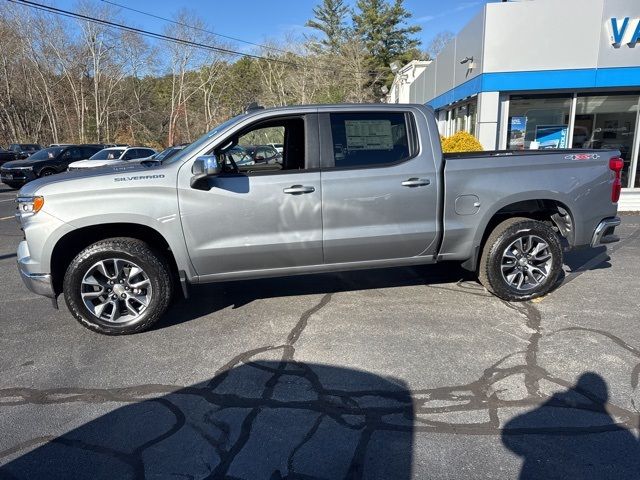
(541,80)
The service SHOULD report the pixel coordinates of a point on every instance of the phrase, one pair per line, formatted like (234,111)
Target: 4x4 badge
(582,156)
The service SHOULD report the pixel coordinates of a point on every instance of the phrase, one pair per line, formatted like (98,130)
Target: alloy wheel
(526,262)
(116,290)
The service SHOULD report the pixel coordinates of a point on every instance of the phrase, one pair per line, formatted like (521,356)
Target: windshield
(46,153)
(166,153)
(107,154)
(195,146)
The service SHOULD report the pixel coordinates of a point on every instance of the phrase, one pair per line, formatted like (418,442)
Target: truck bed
(480,185)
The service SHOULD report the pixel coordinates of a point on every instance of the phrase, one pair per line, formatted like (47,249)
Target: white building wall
(556,35)
(469,43)
(488,119)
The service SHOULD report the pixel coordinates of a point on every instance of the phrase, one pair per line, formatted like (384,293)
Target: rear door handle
(298,190)
(416,182)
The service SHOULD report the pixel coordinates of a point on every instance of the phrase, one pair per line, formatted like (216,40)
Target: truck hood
(105,177)
(94,163)
(20,163)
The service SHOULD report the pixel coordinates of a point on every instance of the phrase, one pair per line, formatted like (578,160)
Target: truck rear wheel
(118,286)
(521,260)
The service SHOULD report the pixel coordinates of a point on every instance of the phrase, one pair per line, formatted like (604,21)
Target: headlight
(22,168)
(28,206)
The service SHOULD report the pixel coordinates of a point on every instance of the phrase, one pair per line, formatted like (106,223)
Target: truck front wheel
(521,260)
(118,286)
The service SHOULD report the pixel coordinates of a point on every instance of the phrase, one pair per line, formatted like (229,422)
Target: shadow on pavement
(583,258)
(210,298)
(263,420)
(572,435)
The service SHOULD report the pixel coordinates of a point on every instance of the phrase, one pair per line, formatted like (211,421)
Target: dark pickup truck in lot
(45,162)
(18,151)
(357,186)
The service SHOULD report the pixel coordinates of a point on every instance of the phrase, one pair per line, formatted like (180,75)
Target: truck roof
(340,106)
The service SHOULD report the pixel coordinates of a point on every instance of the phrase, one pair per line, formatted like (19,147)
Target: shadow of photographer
(261,420)
(572,435)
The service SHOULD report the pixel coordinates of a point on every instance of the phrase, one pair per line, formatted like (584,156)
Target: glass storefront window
(608,122)
(462,118)
(459,116)
(473,117)
(537,121)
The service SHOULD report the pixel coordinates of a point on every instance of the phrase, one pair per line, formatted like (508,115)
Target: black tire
(154,265)
(491,260)
(45,172)
(15,186)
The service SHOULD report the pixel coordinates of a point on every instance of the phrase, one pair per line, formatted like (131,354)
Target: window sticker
(369,134)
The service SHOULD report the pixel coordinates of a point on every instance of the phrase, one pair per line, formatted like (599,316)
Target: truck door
(264,216)
(379,188)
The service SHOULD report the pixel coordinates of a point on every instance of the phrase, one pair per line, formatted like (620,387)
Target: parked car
(167,153)
(118,241)
(17,151)
(6,156)
(263,153)
(24,150)
(278,146)
(112,155)
(240,156)
(43,163)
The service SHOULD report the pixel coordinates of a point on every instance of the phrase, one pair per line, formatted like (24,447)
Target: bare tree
(437,44)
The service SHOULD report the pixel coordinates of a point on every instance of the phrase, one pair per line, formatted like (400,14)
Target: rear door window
(72,154)
(89,151)
(369,139)
(143,153)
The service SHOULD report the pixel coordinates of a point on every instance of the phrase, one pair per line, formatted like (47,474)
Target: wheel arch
(46,168)
(542,208)
(72,243)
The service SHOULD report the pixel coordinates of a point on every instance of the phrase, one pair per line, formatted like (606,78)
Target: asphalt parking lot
(401,373)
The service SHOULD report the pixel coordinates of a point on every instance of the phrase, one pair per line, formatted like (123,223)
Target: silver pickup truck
(355,186)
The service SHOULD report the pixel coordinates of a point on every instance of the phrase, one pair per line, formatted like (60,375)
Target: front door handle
(298,190)
(416,182)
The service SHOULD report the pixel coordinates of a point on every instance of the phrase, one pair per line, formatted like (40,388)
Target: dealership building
(540,74)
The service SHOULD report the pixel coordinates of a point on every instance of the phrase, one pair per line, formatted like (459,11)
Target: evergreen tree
(329,18)
(383,28)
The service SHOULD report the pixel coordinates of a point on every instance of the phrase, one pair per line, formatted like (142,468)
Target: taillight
(616,164)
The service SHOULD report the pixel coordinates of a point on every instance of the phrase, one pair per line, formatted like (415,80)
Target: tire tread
(489,255)
(132,247)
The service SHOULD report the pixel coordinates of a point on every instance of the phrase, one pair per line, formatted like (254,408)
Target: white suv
(111,155)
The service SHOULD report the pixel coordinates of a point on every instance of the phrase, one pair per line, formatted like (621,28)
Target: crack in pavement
(357,410)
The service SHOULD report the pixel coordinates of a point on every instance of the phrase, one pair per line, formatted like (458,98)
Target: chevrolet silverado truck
(357,186)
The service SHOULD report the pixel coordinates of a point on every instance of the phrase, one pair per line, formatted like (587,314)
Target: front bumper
(16,177)
(40,283)
(603,233)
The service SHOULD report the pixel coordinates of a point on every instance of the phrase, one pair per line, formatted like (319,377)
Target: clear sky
(260,20)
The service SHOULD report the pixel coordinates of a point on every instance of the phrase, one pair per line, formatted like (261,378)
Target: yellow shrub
(461,142)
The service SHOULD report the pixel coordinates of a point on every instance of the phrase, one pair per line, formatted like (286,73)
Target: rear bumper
(603,233)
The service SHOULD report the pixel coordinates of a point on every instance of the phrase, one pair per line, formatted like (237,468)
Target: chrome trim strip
(40,283)
(602,227)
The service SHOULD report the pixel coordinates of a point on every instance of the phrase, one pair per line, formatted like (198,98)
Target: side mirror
(205,166)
